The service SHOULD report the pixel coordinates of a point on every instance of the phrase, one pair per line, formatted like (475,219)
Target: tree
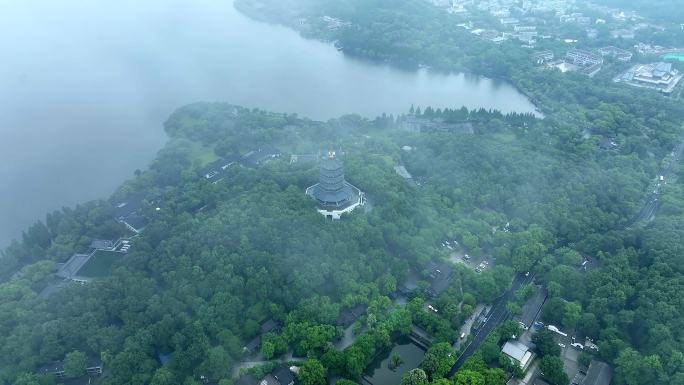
(344,381)
(75,364)
(546,343)
(414,377)
(27,379)
(217,364)
(469,377)
(553,311)
(163,376)
(554,289)
(584,359)
(571,314)
(525,292)
(490,351)
(514,308)
(438,360)
(267,349)
(508,330)
(635,369)
(334,361)
(552,368)
(395,361)
(495,376)
(312,373)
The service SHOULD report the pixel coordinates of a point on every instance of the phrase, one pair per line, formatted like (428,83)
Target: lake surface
(86,85)
(379,373)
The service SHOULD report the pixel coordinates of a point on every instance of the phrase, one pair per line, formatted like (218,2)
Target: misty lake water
(86,85)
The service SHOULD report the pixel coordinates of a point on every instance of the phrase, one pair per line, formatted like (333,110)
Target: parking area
(477,263)
(570,356)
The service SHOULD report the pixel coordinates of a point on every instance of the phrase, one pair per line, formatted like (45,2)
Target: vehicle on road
(561,345)
(462,335)
(577,345)
(556,330)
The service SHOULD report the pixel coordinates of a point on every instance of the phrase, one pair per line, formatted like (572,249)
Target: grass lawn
(100,264)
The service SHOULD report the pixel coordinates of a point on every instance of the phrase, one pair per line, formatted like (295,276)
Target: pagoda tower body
(334,196)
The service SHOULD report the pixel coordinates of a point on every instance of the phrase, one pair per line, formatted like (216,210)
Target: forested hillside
(219,259)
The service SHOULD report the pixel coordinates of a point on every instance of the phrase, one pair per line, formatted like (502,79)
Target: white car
(561,345)
(577,345)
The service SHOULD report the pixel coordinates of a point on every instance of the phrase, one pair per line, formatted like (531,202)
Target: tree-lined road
(496,316)
(651,206)
(499,313)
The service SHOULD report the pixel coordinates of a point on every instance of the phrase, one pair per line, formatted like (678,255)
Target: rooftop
(283,375)
(260,156)
(269,325)
(599,373)
(129,206)
(516,350)
(269,380)
(349,316)
(247,379)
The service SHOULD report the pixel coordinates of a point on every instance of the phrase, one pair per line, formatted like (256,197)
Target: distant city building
(542,57)
(659,76)
(333,194)
(334,24)
(582,58)
(524,28)
(617,53)
(626,34)
(508,21)
(585,61)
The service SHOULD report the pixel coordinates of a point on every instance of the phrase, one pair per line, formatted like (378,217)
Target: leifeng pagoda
(334,196)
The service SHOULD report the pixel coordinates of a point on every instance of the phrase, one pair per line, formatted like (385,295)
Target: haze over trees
(218,259)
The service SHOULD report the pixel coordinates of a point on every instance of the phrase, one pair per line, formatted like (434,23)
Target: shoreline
(251,13)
